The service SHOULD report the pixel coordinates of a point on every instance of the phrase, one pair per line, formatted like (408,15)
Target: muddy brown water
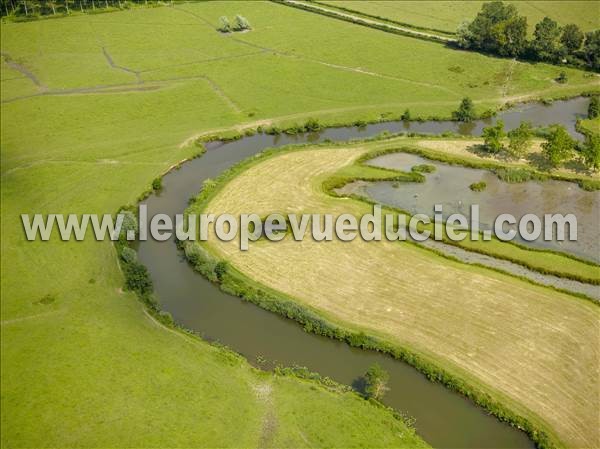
(449,185)
(443,418)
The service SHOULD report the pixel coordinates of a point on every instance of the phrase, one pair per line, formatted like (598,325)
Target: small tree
(562,78)
(406,115)
(376,379)
(493,135)
(519,140)
(241,23)
(594,107)
(591,151)
(465,112)
(224,25)
(558,146)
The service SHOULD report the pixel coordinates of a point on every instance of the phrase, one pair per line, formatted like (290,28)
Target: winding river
(443,418)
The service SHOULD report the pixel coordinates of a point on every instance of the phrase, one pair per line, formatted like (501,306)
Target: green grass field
(498,332)
(447,15)
(96,106)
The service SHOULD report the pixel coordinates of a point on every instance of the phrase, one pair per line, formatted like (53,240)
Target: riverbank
(256,261)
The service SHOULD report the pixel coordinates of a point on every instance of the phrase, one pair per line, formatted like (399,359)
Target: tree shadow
(360,385)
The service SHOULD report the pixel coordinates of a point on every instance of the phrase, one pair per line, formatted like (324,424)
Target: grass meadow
(93,108)
(447,15)
(531,347)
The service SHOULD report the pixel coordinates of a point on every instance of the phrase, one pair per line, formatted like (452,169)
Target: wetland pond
(443,418)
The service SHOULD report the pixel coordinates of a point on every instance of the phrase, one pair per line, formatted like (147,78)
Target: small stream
(443,418)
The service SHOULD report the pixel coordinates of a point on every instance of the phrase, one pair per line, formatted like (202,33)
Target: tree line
(558,147)
(499,29)
(33,8)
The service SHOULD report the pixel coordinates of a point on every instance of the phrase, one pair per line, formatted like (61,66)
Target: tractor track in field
(23,70)
(113,65)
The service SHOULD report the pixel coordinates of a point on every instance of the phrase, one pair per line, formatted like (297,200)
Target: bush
(519,140)
(128,255)
(157,184)
(224,25)
(465,111)
(130,223)
(423,168)
(478,186)
(241,23)
(221,269)
(562,78)
(406,115)
(594,107)
(312,125)
(376,379)
(558,147)
(492,137)
(138,279)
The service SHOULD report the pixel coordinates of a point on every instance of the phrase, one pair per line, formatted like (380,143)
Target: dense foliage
(499,29)
(492,137)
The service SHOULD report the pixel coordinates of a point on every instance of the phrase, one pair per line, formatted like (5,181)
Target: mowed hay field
(93,107)
(448,15)
(533,348)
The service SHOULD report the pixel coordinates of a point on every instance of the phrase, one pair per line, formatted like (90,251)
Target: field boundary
(370,23)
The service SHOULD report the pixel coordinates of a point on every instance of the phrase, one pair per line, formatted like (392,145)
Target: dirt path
(368,22)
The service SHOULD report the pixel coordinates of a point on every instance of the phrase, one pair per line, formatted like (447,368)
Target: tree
(546,42)
(572,38)
(465,112)
(497,28)
(591,49)
(519,140)
(493,135)
(558,146)
(594,107)
(241,23)
(590,151)
(376,379)
(224,25)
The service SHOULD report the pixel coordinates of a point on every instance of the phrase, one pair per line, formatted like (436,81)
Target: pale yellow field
(534,348)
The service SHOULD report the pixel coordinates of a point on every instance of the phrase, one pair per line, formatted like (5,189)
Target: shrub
(465,111)
(590,151)
(128,255)
(376,379)
(130,223)
(423,168)
(221,269)
(406,115)
(224,25)
(138,279)
(478,186)
(562,78)
(519,140)
(492,137)
(594,107)
(558,147)
(241,23)
(157,184)
(312,125)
